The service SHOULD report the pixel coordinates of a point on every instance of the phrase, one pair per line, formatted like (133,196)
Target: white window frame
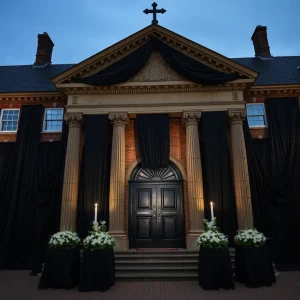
(44,121)
(12,131)
(265,116)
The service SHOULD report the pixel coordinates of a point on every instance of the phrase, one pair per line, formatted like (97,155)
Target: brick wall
(45,137)
(177,150)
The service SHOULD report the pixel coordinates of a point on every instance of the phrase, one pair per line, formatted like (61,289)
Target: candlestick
(96,208)
(211,210)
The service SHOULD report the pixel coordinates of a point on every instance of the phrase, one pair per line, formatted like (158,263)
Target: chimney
(44,50)
(260,42)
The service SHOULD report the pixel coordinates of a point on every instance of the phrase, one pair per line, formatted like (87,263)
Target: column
(194,178)
(240,170)
(117,181)
(71,175)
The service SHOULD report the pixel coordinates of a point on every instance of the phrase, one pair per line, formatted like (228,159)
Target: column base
(191,240)
(121,241)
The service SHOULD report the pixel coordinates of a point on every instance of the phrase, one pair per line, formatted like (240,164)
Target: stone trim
(73,119)
(119,119)
(191,118)
(237,116)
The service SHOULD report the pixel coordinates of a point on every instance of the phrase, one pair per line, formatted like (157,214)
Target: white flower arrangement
(64,239)
(250,237)
(98,238)
(212,239)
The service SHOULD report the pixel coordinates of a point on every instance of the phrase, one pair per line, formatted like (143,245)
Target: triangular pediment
(156,68)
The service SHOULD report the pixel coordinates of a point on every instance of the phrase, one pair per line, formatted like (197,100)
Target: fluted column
(117,181)
(71,174)
(194,177)
(240,170)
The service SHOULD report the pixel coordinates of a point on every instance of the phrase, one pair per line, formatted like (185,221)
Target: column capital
(237,115)
(73,119)
(191,117)
(119,119)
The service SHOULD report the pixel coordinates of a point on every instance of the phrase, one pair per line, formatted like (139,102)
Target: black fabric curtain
(184,65)
(274,172)
(153,136)
(31,197)
(217,179)
(95,172)
(19,216)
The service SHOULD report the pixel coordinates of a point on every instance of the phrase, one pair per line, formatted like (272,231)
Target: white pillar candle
(96,208)
(211,210)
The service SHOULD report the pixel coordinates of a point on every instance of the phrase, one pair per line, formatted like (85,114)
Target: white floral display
(210,225)
(99,239)
(250,237)
(212,239)
(64,239)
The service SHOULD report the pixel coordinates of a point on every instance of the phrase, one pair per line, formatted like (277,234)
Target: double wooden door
(156,217)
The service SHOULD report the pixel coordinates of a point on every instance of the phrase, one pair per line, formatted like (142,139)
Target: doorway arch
(156,210)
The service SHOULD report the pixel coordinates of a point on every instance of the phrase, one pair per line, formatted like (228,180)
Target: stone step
(147,269)
(142,276)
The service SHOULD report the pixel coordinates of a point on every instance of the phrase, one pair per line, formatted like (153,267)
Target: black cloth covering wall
(153,136)
(184,65)
(95,172)
(31,196)
(217,179)
(274,172)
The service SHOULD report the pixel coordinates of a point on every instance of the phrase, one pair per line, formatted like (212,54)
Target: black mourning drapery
(274,173)
(95,172)
(217,179)
(31,198)
(153,136)
(184,65)
(19,216)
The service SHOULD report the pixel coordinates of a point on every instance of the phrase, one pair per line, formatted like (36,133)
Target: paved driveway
(17,285)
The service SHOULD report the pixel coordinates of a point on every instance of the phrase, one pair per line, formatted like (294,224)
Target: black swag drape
(31,196)
(95,172)
(217,179)
(274,172)
(184,65)
(153,136)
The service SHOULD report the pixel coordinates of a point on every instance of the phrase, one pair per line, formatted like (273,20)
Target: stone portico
(155,89)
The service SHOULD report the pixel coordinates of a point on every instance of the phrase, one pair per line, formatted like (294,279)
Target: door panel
(156,215)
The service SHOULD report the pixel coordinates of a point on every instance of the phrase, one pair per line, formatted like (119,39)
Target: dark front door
(156,215)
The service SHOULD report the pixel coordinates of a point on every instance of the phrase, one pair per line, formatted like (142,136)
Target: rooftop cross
(154,11)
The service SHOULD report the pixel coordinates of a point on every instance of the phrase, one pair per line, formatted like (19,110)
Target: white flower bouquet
(210,225)
(250,237)
(212,239)
(98,238)
(64,239)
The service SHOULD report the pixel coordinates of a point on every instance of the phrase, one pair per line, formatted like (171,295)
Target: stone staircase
(158,265)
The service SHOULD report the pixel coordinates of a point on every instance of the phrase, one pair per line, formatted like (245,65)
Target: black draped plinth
(253,266)
(61,269)
(215,270)
(97,271)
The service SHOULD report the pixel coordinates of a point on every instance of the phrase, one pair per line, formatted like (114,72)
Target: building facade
(148,208)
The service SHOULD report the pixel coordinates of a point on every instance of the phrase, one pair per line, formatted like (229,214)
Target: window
(256,115)
(9,120)
(53,119)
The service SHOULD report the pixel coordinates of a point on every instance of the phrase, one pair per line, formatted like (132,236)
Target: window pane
(9,120)
(53,121)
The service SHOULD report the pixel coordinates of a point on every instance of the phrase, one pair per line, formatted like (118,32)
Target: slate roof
(26,78)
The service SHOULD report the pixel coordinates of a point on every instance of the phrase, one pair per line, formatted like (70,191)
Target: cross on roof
(154,11)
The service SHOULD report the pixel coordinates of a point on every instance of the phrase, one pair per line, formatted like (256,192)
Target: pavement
(18,285)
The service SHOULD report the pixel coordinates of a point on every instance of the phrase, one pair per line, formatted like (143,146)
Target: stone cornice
(272,90)
(32,98)
(148,89)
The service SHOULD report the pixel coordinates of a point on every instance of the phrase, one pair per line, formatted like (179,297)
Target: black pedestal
(253,266)
(61,269)
(97,271)
(215,270)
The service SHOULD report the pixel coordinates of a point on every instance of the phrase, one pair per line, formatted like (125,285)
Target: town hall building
(152,129)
